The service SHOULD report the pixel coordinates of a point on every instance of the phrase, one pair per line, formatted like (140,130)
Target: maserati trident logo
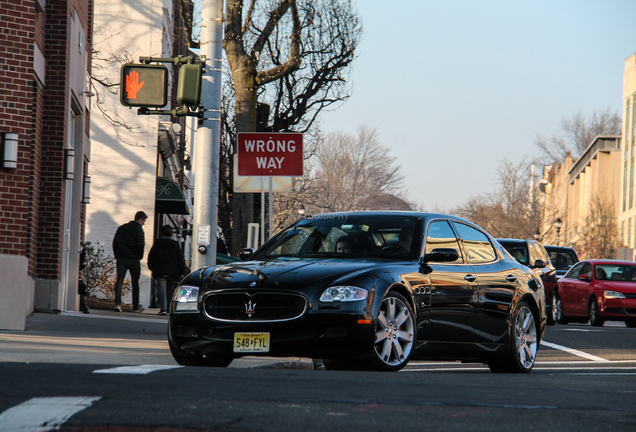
(249,309)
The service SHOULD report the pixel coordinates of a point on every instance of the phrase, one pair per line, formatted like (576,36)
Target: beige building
(605,172)
(573,186)
(627,208)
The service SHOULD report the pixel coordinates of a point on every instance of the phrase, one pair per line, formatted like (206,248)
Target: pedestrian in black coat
(128,247)
(166,262)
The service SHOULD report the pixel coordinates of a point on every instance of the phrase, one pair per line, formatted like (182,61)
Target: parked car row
(591,291)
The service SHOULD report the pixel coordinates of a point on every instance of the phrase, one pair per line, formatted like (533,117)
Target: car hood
(289,273)
(621,286)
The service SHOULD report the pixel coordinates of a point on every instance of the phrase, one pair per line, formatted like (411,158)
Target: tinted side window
(576,270)
(477,245)
(441,235)
(586,270)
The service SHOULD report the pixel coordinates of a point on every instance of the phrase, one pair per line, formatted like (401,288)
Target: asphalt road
(65,371)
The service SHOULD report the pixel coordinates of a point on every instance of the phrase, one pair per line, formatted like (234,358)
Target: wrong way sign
(270,154)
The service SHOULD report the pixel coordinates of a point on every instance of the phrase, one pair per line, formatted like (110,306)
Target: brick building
(44,126)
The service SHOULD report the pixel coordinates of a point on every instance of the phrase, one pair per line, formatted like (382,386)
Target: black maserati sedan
(365,291)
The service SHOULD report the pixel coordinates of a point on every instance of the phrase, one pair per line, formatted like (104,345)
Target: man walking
(128,247)
(165,260)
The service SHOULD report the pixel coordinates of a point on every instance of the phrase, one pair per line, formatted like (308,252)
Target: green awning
(169,198)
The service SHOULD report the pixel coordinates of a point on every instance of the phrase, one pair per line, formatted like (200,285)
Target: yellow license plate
(251,342)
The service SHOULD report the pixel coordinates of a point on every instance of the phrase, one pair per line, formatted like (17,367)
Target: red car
(598,291)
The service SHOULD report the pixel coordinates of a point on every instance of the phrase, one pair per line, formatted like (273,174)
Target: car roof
(608,261)
(511,240)
(563,248)
(424,215)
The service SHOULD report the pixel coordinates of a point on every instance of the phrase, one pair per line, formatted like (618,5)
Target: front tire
(595,317)
(524,342)
(185,359)
(394,334)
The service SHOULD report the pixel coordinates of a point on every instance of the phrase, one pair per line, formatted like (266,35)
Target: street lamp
(537,235)
(558,223)
(301,211)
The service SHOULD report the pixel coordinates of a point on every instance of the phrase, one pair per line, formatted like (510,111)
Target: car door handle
(511,278)
(470,278)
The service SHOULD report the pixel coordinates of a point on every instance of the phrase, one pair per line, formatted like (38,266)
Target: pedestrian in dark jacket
(128,247)
(166,262)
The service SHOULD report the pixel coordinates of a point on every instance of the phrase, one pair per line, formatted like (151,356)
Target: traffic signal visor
(144,85)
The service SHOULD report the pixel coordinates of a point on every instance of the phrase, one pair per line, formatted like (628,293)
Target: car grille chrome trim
(254,307)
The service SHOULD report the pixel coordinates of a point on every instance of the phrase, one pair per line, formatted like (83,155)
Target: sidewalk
(107,337)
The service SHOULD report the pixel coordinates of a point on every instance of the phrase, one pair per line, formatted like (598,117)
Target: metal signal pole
(208,138)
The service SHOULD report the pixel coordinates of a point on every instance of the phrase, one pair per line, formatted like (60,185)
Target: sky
(455,86)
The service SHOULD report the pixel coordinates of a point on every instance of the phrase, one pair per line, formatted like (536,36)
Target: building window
(623,232)
(629,231)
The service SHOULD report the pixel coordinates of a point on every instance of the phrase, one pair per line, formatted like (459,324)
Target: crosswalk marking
(574,352)
(135,370)
(43,414)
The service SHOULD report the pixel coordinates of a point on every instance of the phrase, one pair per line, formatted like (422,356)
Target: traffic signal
(144,85)
(189,89)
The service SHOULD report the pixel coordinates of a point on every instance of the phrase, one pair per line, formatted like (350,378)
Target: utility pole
(208,138)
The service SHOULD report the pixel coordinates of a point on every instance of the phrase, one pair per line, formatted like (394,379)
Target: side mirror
(585,277)
(245,254)
(441,254)
(539,264)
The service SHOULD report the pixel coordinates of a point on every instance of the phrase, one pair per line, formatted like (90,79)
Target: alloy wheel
(526,337)
(395,332)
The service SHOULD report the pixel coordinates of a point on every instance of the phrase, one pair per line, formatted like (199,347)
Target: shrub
(100,273)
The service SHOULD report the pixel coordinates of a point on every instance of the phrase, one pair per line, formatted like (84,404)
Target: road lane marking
(43,414)
(135,370)
(574,352)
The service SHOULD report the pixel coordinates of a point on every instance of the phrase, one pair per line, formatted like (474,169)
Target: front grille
(254,307)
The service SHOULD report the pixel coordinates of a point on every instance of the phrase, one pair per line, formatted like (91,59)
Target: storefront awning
(169,198)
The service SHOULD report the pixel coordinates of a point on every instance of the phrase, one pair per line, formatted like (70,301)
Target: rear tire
(555,309)
(631,323)
(595,318)
(524,342)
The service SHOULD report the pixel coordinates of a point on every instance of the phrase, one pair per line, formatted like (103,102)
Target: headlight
(344,294)
(186,298)
(613,294)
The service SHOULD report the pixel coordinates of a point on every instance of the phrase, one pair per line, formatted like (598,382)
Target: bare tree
(577,133)
(353,171)
(511,211)
(600,237)
(347,173)
(286,60)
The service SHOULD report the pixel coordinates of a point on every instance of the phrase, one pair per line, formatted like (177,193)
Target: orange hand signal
(133,85)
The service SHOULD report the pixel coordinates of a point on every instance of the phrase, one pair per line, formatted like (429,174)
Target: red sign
(270,154)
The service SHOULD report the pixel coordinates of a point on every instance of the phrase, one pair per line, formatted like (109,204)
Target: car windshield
(348,236)
(613,272)
(562,260)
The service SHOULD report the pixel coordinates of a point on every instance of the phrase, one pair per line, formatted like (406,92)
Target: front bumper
(618,308)
(316,334)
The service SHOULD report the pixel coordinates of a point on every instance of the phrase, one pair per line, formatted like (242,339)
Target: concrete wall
(16,295)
